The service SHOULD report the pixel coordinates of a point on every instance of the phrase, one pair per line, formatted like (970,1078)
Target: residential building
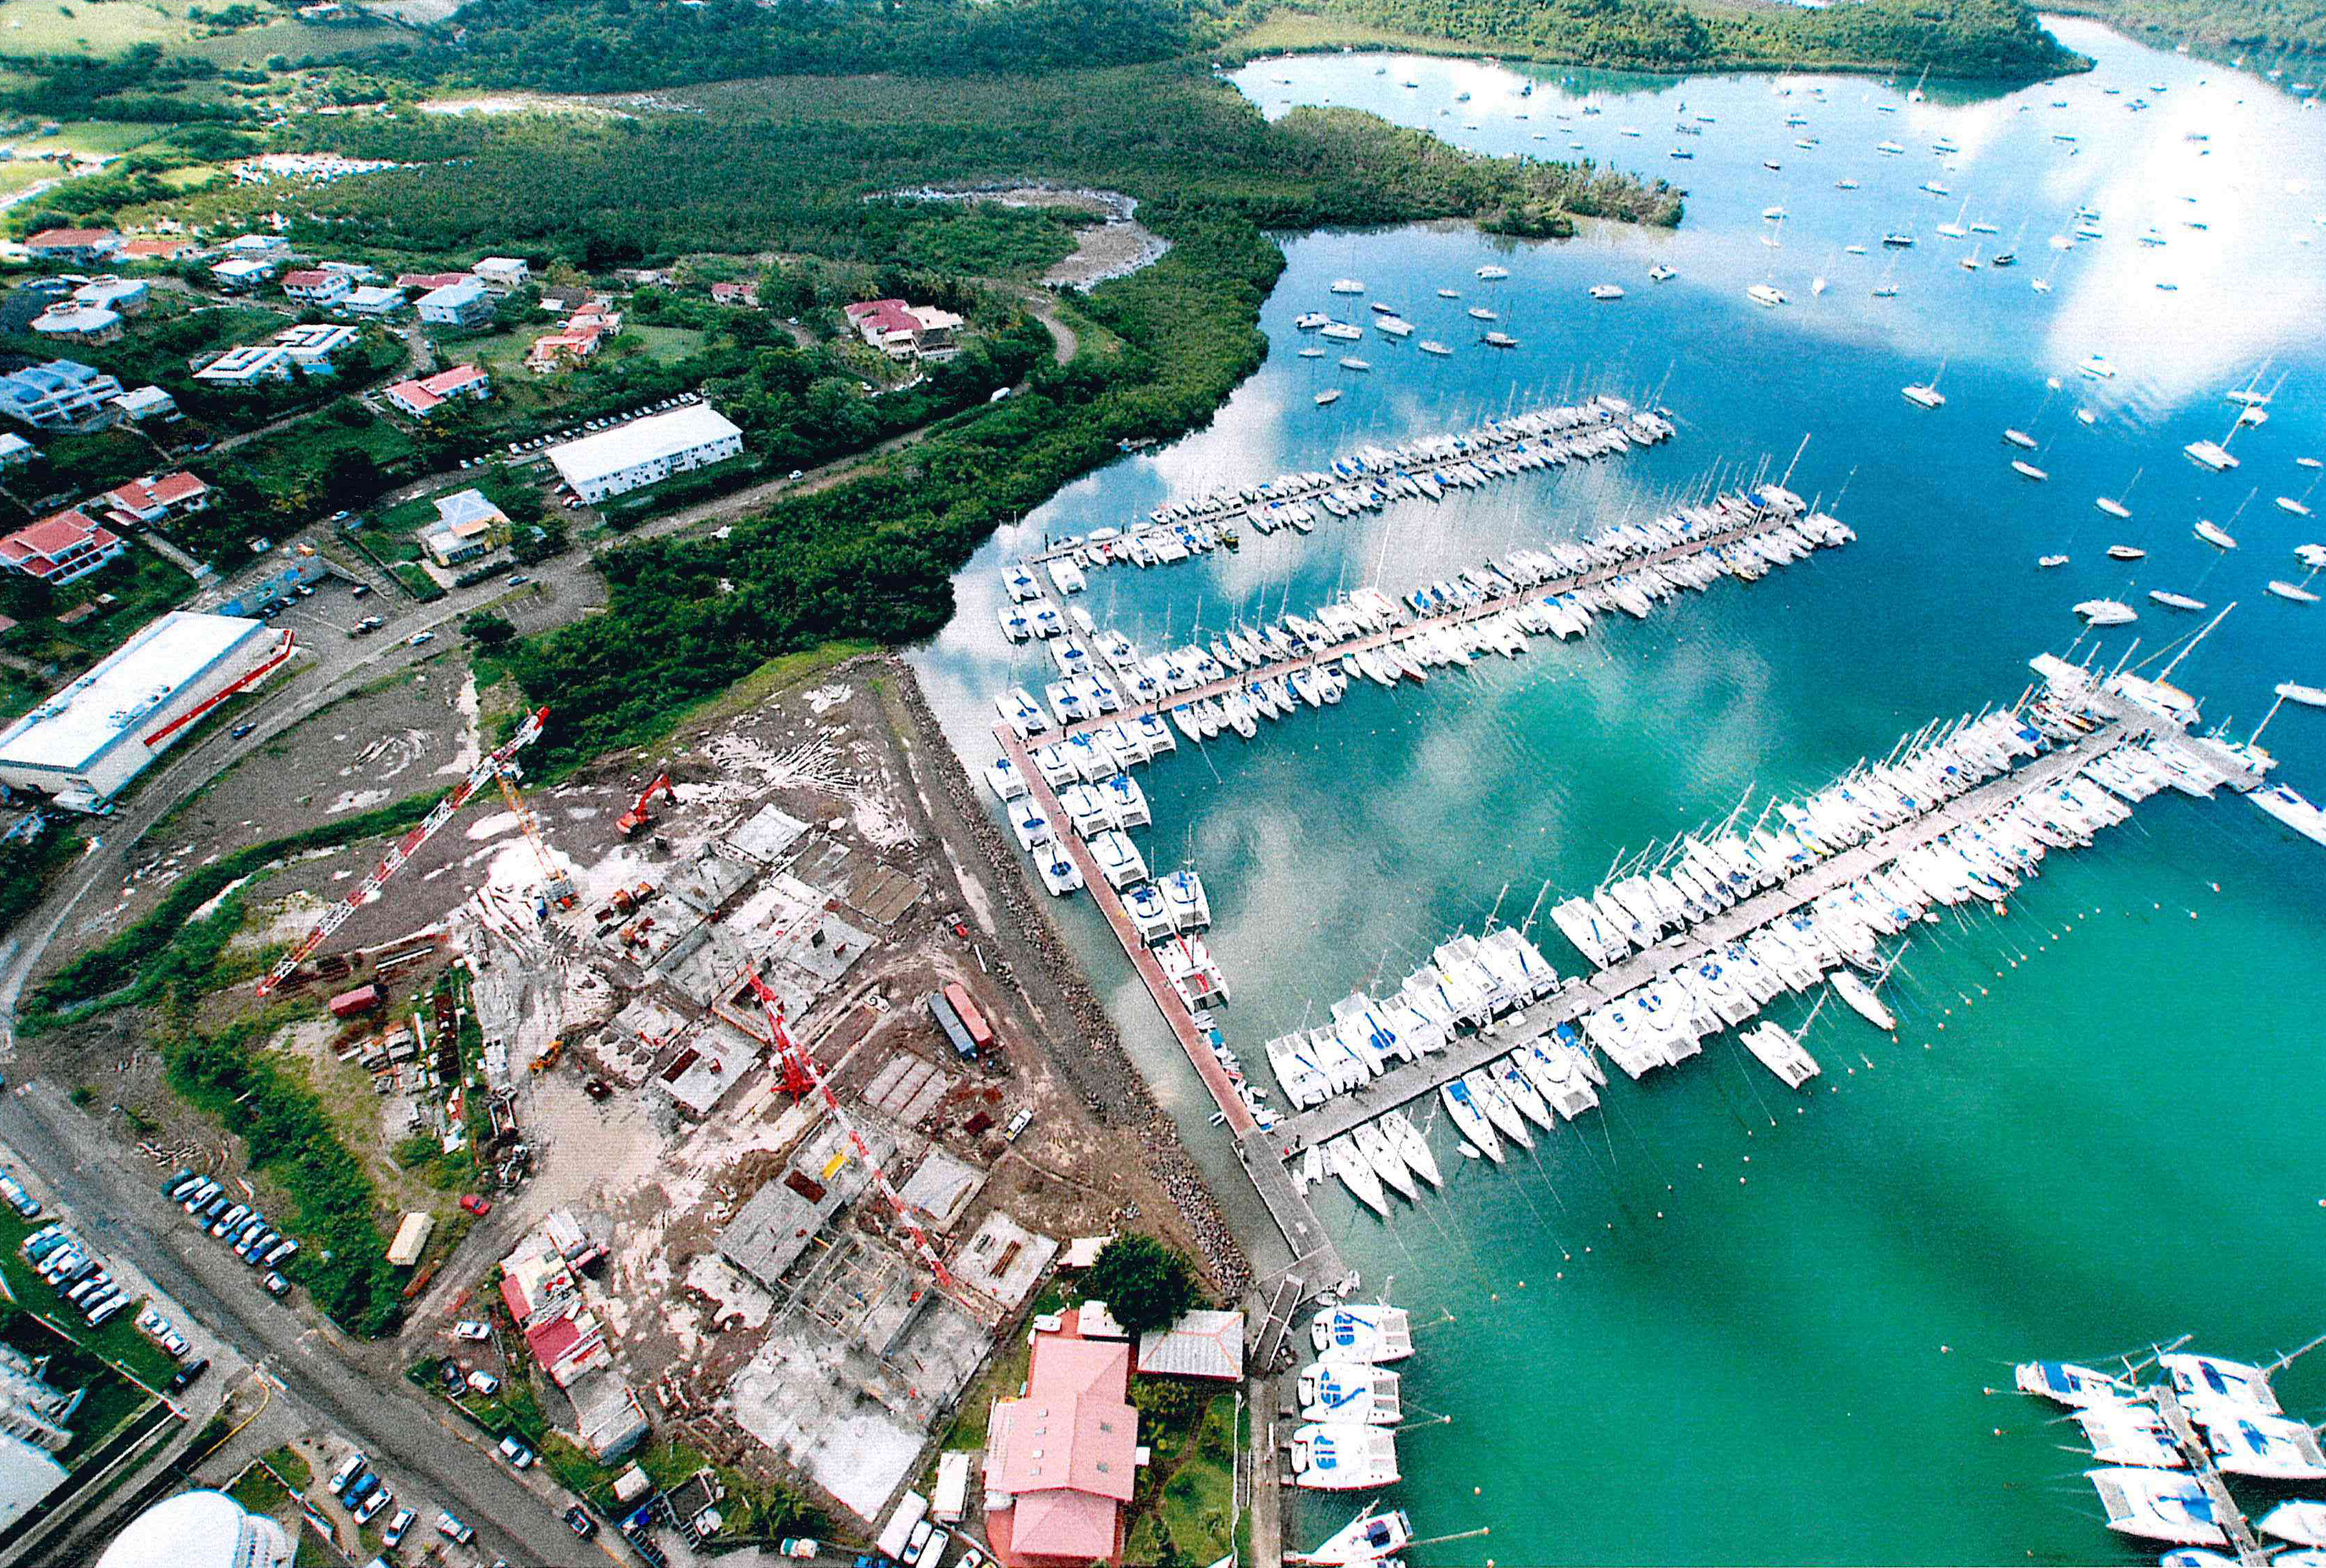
(312,345)
(465,303)
(903,331)
(75,324)
(62,392)
(423,396)
(646,451)
(265,246)
(502,274)
(373,300)
(151,499)
(87,741)
(248,365)
(127,295)
(15,450)
(354,272)
(73,245)
(155,250)
(735,294)
(426,281)
(316,286)
(467,525)
(564,298)
(1063,1459)
(143,402)
(61,548)
(552,349)
(242,274)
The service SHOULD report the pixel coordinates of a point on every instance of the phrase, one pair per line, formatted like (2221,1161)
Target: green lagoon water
(1718,1322)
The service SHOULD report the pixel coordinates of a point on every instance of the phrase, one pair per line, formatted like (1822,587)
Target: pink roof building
(152,499)
(430,280)
(423,396)
(1065,1456)
(60,548)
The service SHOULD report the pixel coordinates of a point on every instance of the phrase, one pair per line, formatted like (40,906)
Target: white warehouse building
(646,451)
(85,744)
(201,1529)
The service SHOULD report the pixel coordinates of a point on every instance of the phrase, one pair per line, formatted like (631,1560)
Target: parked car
(349,1468)
(470,1328)
(274,1284)
(797,1546)
(230,1221)
(240,730)
(398,1528)
(360,590)
(202,1193)
(476,1204)
(483,1383)
(363,1512)
(179,1185)
(419,639)
(103,1314)
(916,1543)
(449,1526)
(578,1520)
(283,1253)
(367,1483)
(19,1199)
(518,1455)
(189,1374)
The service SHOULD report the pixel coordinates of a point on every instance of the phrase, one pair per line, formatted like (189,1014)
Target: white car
(372,1504)
(398,1528)
(419,639)
(470,1328)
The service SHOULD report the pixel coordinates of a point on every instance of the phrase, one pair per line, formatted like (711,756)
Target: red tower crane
(800,1067)
(501,765)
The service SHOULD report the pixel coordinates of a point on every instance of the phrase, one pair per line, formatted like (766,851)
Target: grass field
(666,343)
(28,27)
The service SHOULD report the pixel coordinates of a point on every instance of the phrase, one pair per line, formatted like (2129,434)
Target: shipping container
(950,1022)
(971,1018)
(349,1004)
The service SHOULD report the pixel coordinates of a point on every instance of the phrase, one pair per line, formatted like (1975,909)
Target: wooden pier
(2121,723)
(1314,1257)
(1407,626)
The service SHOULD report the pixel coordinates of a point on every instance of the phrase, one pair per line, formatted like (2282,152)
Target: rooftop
(642,440)
(76,724)
(1202,1344)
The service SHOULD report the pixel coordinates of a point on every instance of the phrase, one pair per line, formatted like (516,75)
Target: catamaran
(2157,1505)
(2066,1383)
(2299,1522)
(1926,395)
(1350,1391)
(1777,1049)
(1371,1331)
(1336,1457)
(2211,1378)
(1367,1541)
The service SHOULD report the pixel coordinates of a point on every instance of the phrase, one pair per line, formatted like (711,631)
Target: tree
(1145,1284)
(488,629)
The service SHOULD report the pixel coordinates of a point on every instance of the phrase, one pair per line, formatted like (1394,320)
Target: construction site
(708,1067)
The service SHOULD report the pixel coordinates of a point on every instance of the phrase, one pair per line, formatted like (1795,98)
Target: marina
(1991,1089)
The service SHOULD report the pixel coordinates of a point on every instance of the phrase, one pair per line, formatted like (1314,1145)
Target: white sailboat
(1862,1000)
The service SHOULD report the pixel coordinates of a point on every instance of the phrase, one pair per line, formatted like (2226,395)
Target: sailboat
(1926,395)
(2113,506)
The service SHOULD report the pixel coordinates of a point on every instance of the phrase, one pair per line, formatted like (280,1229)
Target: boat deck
(2122,724)
(1314,1256)
(1409,625)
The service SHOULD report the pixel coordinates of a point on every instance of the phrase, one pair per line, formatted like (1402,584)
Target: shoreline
(1110,1082)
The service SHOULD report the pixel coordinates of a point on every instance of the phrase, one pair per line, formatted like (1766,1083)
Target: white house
(502,274)
(241,274)
(62,392)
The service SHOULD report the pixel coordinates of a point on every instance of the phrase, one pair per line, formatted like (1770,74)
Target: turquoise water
(1718,1322)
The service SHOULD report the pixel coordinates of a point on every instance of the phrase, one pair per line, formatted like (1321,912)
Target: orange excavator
(635,821)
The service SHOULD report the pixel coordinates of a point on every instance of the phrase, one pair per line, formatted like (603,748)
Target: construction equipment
(800,1067)
(498,765)
(634,821)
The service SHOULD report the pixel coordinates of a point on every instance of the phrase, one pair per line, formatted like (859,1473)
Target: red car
(480,1207)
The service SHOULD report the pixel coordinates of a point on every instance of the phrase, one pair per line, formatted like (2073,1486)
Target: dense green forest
(1957,37)
(620,45)
(2270,28)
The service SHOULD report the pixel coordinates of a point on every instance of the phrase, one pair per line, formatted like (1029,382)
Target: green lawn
(1197,1504)
(95,137)
(666,345)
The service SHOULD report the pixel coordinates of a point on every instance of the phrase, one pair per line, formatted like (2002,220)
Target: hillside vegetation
(2267,28)
(1985,38)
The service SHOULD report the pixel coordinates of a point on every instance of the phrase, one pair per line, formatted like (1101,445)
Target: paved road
(357,1388)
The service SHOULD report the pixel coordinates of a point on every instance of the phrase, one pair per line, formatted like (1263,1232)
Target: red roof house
(60,549)
(155,249)
(1064,1457)
(73,243)
(429,280)
(426,396)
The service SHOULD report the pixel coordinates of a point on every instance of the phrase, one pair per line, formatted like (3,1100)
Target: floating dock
(1769,522)
(1314,1257)
(2122,723)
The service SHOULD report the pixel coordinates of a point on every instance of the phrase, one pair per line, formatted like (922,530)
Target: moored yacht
(2066,1383)
(1362,1331)
(1348,1391)
(1338,1457)
(1863,1001)
(2212,534)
